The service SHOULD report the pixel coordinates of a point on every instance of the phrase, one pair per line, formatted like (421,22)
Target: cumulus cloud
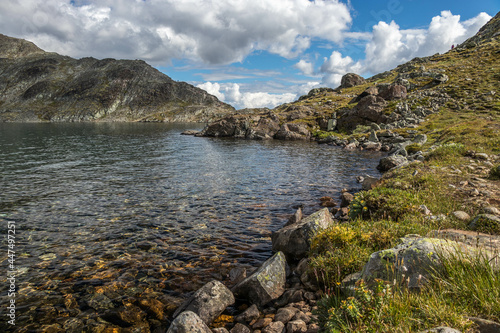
(390,46)
(307,68)
(231,93)
(215,32)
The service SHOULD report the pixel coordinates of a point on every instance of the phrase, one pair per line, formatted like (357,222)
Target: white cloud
(389,46)
(214,32)
(231,93)
(307,68)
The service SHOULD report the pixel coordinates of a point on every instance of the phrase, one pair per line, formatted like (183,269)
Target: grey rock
(293,131)
(296,326)
(351,80)
(295,218)
(370,109)
(369,182)
(248,315)
(274,327)
(188,322)
(286,314)
(237,274)
(420,139)
(413,261)
(491,210)
(208,302)
(266,284)
(463,216)
(240,328)
(295,240)
(220,330)
(373,136)
(372,146)
(346,199)
(390,162)
(486,326)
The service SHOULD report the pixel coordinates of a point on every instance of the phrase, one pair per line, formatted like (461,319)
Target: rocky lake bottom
(116,223)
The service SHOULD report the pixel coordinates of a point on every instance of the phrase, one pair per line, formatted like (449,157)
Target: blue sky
(250,53)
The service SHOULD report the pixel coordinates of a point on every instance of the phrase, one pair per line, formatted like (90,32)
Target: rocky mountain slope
(40,86)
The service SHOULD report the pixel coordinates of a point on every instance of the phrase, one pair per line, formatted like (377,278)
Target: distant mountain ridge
(42,86)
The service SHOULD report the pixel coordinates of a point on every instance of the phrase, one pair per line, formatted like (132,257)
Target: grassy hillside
(461,172)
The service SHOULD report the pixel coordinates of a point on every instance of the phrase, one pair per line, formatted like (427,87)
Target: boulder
(266,284)
(463,216)
(370,109)
(351,80)
(295,240)
(346,198)
(295,218)
(248,315)
(392,161)
(413,261)
(225,127)
(240,328)
(296,326)
(392,92)
(208,302)
(188,322)
(372,146)
(266,128)
(369,182)
(292,131)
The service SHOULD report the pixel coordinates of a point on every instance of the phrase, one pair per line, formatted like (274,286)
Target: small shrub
(495,172)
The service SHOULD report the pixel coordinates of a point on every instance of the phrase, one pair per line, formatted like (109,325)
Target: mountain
(40,86)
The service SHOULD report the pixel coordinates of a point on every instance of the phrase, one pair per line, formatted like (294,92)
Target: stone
(369,182)
(390,162)
(370,109)
(208,302)
(491,210)
(485,326)
(351,80)
(262,322)
(295,240)
(100,302)
(393,92)
(373,136)
(274,327)
(286,314)
(237,274)
(346,198)
(302,316)
(240,328)
(248,315)
(295,218)
(266,128)
(486,223)
(413,260)
(441,329)
(460,215)
(266,284)
(296,326)
(188,322)
(225,127)
(222,330)
(481,156)
(420,139)
(292,131)
(372,146)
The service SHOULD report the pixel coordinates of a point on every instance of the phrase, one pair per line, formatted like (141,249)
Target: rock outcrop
(43,86)
(351,80)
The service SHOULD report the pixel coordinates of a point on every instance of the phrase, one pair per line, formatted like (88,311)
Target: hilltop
(40,86)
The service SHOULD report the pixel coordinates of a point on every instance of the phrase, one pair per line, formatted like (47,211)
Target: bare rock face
(208,302)
(351,80)
(266,284)
(295,240)
(369,110)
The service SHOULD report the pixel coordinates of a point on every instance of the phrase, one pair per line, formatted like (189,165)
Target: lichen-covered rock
(188,322)
(226,127)
(266,284)
(295,240)
(413,261)
(390,162)
(208,302)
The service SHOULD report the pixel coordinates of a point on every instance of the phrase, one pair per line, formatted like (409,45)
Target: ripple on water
(116,222)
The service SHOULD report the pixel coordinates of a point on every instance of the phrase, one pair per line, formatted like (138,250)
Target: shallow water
(117,221)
